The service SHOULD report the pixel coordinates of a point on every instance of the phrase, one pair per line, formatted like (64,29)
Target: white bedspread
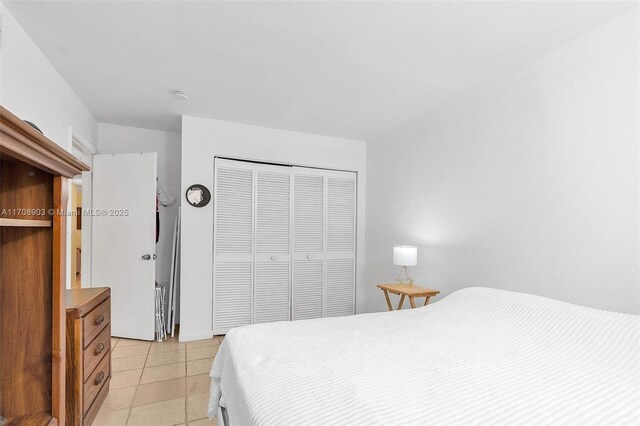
(478,356)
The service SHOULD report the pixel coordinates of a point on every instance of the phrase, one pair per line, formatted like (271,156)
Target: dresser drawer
(97,403)
(96,381)
(95,321)
(96,350)
(88,357)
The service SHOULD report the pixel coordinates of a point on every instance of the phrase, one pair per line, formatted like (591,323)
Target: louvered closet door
(307,286)
(340,243)
(233,245)
(272,257)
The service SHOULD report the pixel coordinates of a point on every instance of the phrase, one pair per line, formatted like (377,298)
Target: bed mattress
(478,356)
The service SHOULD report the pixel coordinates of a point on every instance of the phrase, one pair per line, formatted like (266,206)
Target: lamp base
(404,277)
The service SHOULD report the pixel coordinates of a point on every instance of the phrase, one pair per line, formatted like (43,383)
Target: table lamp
(405,256)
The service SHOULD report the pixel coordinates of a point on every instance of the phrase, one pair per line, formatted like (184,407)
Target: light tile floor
(156,384)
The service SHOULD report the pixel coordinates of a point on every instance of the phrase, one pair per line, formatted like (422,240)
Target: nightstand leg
(401,302)
(386,296)
(426,300)
(413,303)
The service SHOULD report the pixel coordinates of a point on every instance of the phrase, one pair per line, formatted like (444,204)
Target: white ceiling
(349,69)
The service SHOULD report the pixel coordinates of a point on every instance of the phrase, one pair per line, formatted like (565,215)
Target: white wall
(204,139)
(32,89)
(114,139)
(529,184)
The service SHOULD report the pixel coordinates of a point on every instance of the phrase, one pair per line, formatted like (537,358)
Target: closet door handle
(273,258)
(146,256)
(308,257)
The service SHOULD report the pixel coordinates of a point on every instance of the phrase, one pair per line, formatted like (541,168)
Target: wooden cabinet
(33,196)
(88,352)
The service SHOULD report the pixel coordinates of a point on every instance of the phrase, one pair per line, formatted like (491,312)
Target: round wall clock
(198,195)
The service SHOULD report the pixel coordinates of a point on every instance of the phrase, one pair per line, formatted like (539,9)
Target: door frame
(84,151)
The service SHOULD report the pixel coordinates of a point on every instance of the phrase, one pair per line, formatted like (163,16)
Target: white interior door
(340,274)
(307,284)
(272,235)
(233,245)
(123,240)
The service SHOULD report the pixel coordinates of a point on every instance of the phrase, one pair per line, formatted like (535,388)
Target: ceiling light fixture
(180,95)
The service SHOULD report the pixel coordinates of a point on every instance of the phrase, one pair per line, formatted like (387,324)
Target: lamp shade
(405,255)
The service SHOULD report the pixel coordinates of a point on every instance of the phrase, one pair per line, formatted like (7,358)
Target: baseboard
(202,335)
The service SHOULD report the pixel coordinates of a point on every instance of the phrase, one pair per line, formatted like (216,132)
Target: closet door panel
(271,291)
(341,244)
(232,304)
(341,213)
(308,205)
(340,286)
(273,208)
(234,211)
(273,229)
(307,289)
(233,245)
(307,284)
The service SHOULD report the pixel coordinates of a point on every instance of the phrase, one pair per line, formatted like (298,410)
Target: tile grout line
(187,349)
(138,385)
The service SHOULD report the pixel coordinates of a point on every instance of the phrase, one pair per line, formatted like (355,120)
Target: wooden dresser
(88,352)
(33,194)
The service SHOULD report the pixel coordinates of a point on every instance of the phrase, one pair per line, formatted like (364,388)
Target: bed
(478,356)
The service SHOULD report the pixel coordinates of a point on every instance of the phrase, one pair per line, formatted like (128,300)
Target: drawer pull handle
(100,348)
(100,319)
(99,378)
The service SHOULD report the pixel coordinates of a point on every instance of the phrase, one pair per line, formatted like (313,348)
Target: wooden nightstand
(412,291)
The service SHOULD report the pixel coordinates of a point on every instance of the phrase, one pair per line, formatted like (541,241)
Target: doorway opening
(75,198)
(79,219)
